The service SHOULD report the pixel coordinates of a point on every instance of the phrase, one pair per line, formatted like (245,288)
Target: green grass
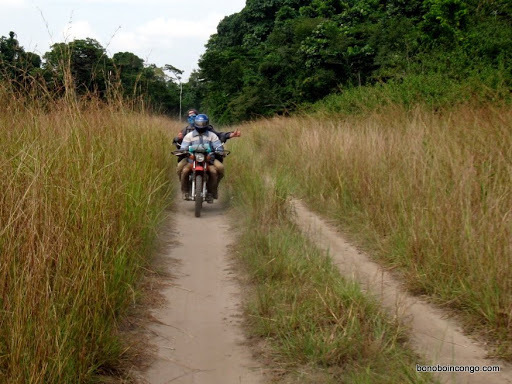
(321,327)
(433,91)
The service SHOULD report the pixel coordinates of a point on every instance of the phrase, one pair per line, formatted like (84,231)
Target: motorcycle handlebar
(222,153)
(181,152)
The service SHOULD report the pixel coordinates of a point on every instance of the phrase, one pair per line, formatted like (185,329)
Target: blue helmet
(201,123)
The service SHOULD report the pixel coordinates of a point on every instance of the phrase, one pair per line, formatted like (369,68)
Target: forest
(276,56)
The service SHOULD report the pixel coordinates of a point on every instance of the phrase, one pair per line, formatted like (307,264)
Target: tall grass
(83,186)
(322,328)
(432,192)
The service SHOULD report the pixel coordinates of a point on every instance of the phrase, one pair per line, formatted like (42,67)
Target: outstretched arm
(235,133)
(225,136)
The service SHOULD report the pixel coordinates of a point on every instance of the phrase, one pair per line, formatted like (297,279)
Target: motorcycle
(200,154)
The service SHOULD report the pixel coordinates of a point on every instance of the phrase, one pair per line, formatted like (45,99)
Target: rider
(201,135)
(223,136)
(192,113)
(182,160)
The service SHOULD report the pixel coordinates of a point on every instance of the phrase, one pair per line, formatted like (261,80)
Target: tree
(16,65)
(128,67)
(193,91)
(82,64)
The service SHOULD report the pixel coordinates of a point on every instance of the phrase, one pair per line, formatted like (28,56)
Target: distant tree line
(85,66)
(276,54)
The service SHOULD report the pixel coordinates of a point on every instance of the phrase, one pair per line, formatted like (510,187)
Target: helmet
(201,123)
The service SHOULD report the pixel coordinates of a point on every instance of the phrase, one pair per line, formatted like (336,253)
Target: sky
(158,31)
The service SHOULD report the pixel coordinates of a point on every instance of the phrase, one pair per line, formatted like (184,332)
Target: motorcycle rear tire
(199,195)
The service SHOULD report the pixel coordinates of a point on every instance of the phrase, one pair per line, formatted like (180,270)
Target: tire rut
(433,335)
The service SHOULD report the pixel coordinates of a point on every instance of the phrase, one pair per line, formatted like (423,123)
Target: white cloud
(172,28)
(13,3)
(126,2)
(161,34)
(79,29)
(127,41)
(158,31)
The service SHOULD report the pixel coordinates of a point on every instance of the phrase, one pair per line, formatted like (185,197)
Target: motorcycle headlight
(200,157)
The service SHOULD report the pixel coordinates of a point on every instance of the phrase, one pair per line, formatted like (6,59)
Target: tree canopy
(84,66)
(275,54)
(16,64)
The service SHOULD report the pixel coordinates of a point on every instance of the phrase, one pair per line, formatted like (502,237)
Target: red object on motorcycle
(198,178)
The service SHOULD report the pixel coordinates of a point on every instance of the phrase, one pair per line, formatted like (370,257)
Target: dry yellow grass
(432,192)
(82,188)
(318,326)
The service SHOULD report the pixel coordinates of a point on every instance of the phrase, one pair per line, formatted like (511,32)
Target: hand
(180,136)
(236,133)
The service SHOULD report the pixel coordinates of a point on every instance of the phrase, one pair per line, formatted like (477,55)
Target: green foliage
(86,60)
(83,67)
(17,65)
(193,91)
(129,67)
(445,21)
(288,52)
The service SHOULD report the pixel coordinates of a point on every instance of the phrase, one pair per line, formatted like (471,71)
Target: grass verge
(430,192)
(321,327)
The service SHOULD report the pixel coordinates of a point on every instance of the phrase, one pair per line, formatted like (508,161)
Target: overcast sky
(158,31)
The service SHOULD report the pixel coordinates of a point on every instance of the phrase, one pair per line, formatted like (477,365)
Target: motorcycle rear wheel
(199,195)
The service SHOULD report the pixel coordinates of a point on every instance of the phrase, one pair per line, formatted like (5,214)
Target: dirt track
(434,336)
(197,332)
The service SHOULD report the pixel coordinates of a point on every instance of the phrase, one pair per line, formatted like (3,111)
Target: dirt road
(433,335)
(197,332)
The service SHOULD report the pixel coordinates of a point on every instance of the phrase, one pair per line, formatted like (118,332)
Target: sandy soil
(434,336)
(197,332)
